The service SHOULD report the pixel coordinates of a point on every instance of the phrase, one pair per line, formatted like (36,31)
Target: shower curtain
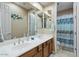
(65,30)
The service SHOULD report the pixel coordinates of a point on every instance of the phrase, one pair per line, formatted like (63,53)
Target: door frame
(75,27)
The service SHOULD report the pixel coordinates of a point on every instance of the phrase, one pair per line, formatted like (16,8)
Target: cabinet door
(49,46)
(45,49)
(39,51)
(45,52)
(52,45)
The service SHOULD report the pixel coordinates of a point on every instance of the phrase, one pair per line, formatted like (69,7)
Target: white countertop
(15,49)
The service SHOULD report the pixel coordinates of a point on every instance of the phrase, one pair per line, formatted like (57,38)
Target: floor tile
(63,53)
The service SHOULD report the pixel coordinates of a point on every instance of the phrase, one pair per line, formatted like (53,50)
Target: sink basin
(25,44)
(15,46)
(20,46)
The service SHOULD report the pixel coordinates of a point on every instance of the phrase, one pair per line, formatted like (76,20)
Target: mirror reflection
(22,22)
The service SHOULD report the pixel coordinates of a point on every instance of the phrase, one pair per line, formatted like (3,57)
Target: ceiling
(25,5)
(60,6)
(29,6)
(45,4)
(64,5)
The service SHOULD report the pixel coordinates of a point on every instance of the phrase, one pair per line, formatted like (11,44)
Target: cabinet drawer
(30,53)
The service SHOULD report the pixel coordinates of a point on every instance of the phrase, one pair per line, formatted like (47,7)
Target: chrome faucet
(19,41)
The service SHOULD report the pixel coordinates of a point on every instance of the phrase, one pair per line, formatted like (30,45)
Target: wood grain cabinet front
(52,45)
(39,54)
(30,53)
(49,46)
(42,50)
(39,51)
(45,49)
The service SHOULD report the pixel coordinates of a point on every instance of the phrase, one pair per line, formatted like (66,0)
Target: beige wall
(19,27)
(67,11)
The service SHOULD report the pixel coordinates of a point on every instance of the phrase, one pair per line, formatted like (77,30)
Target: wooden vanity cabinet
(51,46)
(43,50)
(30,53)
(39,51)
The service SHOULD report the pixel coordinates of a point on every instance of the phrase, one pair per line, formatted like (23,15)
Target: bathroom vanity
(20,29)
(41,46)
(42,50)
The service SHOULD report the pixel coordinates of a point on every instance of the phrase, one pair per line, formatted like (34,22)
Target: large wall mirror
(19,22)
(44,23)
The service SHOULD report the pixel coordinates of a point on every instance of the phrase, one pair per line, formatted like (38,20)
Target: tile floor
(63,53)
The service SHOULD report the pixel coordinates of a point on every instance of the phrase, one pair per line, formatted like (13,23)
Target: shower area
(65,36)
